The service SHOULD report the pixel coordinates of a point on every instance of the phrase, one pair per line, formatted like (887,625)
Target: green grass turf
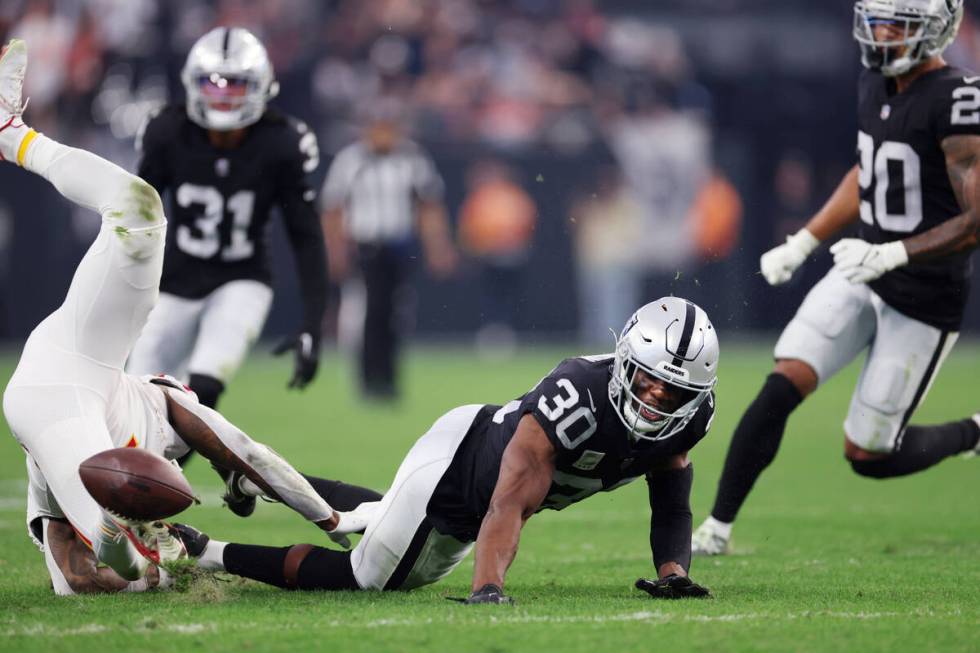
(824,559)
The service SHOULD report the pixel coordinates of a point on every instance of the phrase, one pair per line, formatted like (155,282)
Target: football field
(824,559)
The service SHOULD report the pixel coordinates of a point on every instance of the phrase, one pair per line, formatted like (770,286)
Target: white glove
(357,520)
(861,262)
(779,263)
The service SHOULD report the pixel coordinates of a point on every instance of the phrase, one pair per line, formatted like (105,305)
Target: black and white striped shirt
(378,191)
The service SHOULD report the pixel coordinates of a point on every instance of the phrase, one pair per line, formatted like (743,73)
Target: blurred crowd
(608,83)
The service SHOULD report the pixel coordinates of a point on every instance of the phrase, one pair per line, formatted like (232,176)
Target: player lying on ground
(592,424)
(69,397)
(899,291)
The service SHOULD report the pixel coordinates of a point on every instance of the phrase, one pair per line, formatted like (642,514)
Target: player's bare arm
(960,233)
(525,477)
(840,210)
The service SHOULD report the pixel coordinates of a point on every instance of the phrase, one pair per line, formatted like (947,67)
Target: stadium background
(824,559)
(758,94)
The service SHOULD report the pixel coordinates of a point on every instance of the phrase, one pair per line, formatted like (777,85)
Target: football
(136,484)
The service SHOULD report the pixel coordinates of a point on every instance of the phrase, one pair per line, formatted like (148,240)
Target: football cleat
(193,540)
(157,536)
(134,532)
(239,502)
(13,67)
(707,541)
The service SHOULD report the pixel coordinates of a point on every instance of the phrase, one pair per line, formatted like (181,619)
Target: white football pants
(835,323)
(56,400)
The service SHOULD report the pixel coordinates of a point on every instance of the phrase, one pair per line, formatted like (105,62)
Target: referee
(380,194)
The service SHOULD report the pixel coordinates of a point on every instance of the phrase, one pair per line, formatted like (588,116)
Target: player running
(592,424)
(900,289)
(227,160)
(69,397)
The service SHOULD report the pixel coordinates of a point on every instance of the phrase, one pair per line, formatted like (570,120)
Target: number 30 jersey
(905,187)
(594,451)
(220,199)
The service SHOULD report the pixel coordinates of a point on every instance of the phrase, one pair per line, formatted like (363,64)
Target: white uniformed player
(897,292)
(226,160)
(69,397)
(593,424)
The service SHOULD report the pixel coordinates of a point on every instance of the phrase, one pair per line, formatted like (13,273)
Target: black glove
(489,593)
(307,346)
(673,587)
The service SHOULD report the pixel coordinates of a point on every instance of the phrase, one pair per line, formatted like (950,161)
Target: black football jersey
(595,452)
(905,187)
(220,199)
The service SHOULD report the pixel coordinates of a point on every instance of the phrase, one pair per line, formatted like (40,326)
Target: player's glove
(489,593)
(307,357)
(779,263)
(861,262)
(673,587)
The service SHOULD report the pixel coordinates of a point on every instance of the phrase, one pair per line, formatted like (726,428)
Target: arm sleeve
(670,516)
(958,108)
(296,199)
(151,141)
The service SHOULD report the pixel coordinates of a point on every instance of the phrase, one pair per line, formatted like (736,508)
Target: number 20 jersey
(904,185)
(220,199)
(593,450)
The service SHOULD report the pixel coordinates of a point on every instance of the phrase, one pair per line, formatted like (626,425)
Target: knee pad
(207,388)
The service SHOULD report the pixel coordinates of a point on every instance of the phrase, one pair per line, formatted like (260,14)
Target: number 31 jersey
(220,199)
(905,187)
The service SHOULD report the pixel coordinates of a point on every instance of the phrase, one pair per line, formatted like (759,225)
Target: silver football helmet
(922,29)
(228,79)
(670,339)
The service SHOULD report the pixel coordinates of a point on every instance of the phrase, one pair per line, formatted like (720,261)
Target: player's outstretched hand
(779,263)
(861,262)
(307,357)
(489,593)
(673,587)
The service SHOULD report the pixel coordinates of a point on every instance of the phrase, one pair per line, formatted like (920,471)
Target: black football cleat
(194,540)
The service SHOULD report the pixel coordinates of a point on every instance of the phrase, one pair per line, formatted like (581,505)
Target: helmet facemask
(644,420)
(908,34)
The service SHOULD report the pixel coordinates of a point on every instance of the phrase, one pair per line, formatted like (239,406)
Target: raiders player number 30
(226,160)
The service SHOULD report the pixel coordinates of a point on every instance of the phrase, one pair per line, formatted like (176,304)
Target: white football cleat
(13,67)
(157,537)
(710,540)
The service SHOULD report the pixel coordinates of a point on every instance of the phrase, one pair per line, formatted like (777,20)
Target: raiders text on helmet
(919,29)
(228,79)
(673,340)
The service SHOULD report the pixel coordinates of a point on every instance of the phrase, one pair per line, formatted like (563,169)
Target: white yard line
(474,619)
